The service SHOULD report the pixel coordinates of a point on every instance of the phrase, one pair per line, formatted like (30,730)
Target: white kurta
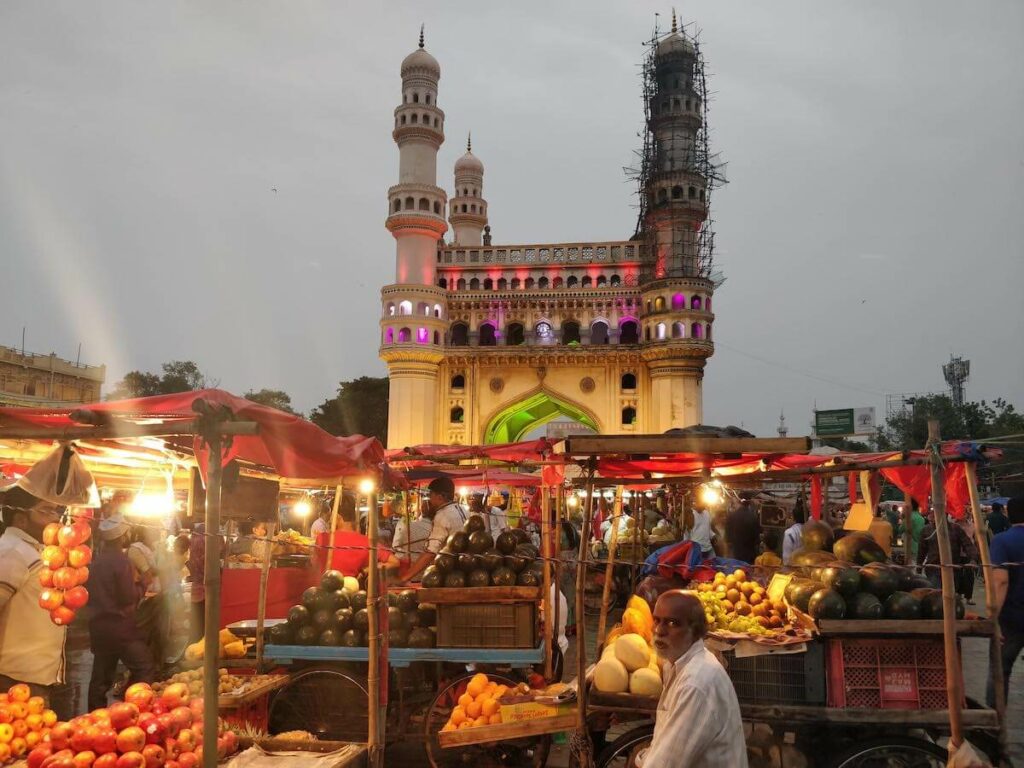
(698,722)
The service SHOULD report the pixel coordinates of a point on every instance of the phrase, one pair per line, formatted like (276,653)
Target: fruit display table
(240,589)
(403,657)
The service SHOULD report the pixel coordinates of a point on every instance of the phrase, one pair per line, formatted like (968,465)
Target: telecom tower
(956,373)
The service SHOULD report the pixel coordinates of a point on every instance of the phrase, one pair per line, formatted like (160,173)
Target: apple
(62,616)
(169,724)
(172,764)
(174,695)
(82,513)
(197,729)
(154,755)
(131,760)
(158,707)
(182,716)
(104,740)
(40,753)
(100,716)
(76,598)
(188,760)
(172,748)
(60,736)
(65,578)
(155,731)
(187,740)
(123,714)
(53,556)
(199,754)
(141,695)
(196,705)
(107,760)
(82,574)
(84,759)
(57,757)
(232,741)
(222,748)
(131,739)
(82,739)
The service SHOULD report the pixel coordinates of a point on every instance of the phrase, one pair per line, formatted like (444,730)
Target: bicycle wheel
(532,751)
(622,752)
(892,752)
(326,702)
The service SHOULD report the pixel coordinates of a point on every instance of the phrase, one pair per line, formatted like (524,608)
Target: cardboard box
(533,710)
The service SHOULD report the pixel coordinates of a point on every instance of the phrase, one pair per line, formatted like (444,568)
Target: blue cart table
(403,657)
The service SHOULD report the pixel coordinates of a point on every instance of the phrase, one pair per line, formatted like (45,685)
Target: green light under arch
(519,418)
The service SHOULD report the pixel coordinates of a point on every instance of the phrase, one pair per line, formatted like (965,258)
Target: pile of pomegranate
(66,559)
(143,731)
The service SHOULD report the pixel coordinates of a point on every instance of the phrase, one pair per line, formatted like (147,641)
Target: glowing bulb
(711,494)
(302,508)
(572,501)
(462,492)
(582,493)
(151,504)
(366,486)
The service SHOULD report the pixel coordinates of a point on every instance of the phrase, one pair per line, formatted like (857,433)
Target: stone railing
(569,254)
(51,363)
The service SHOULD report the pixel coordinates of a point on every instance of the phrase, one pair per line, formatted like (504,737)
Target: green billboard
(844,421)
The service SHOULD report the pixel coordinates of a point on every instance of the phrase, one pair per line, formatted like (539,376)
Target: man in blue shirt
(1008,551)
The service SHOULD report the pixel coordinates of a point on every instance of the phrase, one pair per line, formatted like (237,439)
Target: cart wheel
(892,752)
(326,702)
(622,752)
(532,751)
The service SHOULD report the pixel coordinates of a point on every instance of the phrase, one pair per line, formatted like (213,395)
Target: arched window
(437,208)
(422,335)
(660,331)
(404,334)
(459,335)
(438,310)
(528,284)
(556,283)
(693,193)
(648,306)
(647,333)
(428,98)
(708,328)
(696,331)
(602,281)
(586,282)
(487,338)
(514,334)
(464,208)
(398,205)
(628,332)
(403,119)
(572,281)
(488,284)
(391,309)
(457,414)
(695,302)
(615,281)
(678,330)
(542,283)
(461,285)
(570,332)
(502,284)
(423,309)
(465,193)
(701,194)
(410,203)
(628,381)
(662,196)
(474,192)
(458,381)
(474,284)
(415,98)
(405,308)
(472,208)
(599,332)
(415,119)
(659,304)
(628,415)
(678,301)
(389,337)
(437,338)
(677,193)
(442,283)
(515,284)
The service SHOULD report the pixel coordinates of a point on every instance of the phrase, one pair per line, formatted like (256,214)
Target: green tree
(272,398)
(177,376)
(359,408)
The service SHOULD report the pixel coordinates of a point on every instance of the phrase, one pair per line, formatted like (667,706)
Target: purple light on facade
(678,301)
(696,330)
(695,302)
(422,335)
(389,337)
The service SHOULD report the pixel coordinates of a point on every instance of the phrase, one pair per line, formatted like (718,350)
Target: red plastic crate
(904,673)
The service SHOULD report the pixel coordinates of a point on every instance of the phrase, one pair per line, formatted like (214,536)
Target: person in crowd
(197,576)
(322,524)
(770,558)
(960,549)
(702,533)
(252,540)
(881,531)
(601,520)
(650,514)
(449,517)
(568,553)
(912,543)
(743,530)
(997,520)
(349,551)
(411,535)
(31,646)
(114,594)
(1008,579)
(793,538)
(498,514)
(698,721)
(476,507)
(967,573)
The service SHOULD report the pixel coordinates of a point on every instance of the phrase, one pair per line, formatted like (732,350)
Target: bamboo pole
(995,654)
(545,544)
(211,585)
(582,740)
(556,539)
(954,674)
(373,671)
(329,556)
(261,604)
(609,568)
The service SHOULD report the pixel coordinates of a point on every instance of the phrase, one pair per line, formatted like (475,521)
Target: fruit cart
(867,691)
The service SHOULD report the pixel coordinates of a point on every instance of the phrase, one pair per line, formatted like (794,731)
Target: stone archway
(516,419)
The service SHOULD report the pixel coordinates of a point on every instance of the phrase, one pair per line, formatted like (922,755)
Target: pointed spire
(674,28)
(423,25)
(469,141)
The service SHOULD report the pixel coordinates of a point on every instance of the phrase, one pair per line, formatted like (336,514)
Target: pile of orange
(478,705)
(24,722)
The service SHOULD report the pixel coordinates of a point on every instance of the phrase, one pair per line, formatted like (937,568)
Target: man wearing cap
(32,647)
(449,517)
(114,594)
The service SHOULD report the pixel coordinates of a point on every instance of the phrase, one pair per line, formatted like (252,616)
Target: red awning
(531,450)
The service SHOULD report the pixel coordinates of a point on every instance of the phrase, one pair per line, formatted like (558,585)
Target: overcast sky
(873,224)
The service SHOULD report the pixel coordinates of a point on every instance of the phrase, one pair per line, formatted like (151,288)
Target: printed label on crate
(899,683)
(533,710)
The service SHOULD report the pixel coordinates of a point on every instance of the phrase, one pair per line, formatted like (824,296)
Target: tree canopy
(177,376)
(359,408)
(272,398)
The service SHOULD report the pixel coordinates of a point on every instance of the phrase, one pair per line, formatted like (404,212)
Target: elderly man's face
(673,626)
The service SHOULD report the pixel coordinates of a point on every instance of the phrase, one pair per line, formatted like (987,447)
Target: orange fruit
(489,707)
(49,717)
(482,697)
(480,721)
(740,574)
(20,692)
(18,746)
(5,713)
(494,719)
(36,705)
(733,595)
(477,685)
(473,710)
(500,691)
(491,688)
(448,727)
(465,699)
(6,733)
(458,715)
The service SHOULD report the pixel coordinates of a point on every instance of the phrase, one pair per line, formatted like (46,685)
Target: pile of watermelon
(473,558)
(851,579)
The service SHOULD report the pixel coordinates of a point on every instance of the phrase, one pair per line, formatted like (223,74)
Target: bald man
(698,722)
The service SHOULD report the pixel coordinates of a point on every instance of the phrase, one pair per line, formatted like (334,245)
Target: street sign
(844,421)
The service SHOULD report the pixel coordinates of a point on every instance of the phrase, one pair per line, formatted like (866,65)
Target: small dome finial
(423,25)
(469,141)
(674,28)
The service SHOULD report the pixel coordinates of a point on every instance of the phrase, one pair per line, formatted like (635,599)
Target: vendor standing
(114,595)
(349,550)
(449,517)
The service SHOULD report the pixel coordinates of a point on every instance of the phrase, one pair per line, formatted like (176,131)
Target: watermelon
(421,638)
(810,557)
(351,639)
(330,637)
(361,620)
(480,542)
(432,578)
(479,578)
(395,618)
(280,634)
(332,581)
(864,605)
(879,579)
(902,605)
(458,542)
(506,543)
(358,600)
(307,635)
(474,524)
(428,615)
(522,537)
(456,579)
(343,619)
(816,535)
(859,548)
(527,550)
(491,559)
(468,562)
(827,604)
(411,619)
(398,638)
(842,577)
(799,591)
(323,619)
(516,562)
(339,599)
(528,578)
(407,600)
(503,577)
(298,615)
(446,561)
(932,605)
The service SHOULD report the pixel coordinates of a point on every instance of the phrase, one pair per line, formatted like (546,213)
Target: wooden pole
(329,556)
(545,545)
(995,650)
(584,756)
(261,605)
(556,539)
(954,674)
(609,568)
(373,671)
(211,585)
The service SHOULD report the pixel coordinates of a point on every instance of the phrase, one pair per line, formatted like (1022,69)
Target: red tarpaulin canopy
(289,445)
(531,450)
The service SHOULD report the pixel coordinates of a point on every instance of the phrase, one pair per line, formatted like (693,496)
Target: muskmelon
(645,682)
(610,676)
(632,650)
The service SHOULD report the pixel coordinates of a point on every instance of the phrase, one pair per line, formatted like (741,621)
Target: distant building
(28,380)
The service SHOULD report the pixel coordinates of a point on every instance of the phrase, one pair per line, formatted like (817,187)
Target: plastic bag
(61,478)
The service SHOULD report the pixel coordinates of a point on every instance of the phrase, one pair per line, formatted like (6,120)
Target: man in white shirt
(793,538)
(449,517)
(498,517)
(698,721)
(701,532)
(322,524)
(411,540)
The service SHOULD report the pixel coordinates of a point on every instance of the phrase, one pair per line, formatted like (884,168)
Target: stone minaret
(414,319)
(468,208)
(676,331)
